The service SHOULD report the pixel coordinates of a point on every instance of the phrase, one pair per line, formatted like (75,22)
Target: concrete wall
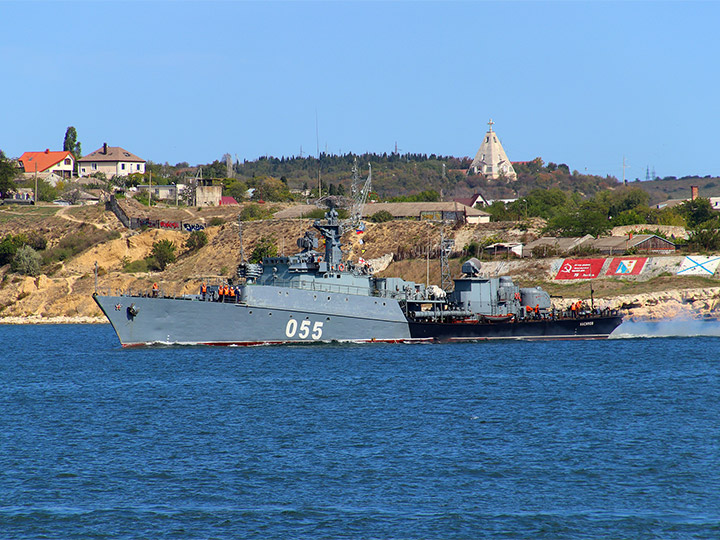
(208,195)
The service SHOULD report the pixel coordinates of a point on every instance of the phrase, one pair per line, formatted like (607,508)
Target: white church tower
(491,159)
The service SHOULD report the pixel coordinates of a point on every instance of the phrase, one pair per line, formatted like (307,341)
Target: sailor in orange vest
(203,290)
(155,290)
(220,293)
(573,310)
(226,292)
(528,311)
(231,292)
(537,311)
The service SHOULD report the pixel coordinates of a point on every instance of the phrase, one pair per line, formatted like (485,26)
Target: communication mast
(446,246)
(359,192)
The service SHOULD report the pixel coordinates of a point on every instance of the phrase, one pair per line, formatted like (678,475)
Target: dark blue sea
(596,439)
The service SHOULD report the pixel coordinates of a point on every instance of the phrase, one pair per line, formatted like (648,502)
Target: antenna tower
(446,246)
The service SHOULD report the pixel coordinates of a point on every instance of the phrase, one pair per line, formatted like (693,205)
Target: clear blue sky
(581,83)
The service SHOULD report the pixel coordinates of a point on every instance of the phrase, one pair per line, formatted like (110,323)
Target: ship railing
(338,289)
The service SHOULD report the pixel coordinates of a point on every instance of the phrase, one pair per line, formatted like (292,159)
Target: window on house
(93,166)
(82,170)
(67,161)
(122,166)
(138,167)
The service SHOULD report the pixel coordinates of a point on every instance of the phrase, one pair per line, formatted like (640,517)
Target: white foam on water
(676,327)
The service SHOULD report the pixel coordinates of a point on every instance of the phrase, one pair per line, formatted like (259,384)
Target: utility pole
(150,190)
(624,167)
(35,197)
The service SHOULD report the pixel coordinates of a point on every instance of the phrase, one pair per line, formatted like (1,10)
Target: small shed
(504,247)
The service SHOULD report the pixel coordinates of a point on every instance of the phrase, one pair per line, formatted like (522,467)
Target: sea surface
(595,439)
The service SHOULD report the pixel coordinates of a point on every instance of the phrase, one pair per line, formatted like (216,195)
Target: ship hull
(544,329)
(269,315)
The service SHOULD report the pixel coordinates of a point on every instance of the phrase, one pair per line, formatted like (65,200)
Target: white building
(111,161)
(491,159)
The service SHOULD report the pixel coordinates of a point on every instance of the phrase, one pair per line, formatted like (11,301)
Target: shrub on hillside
(74,244)
(215,221)
(9,246)
(26,261)
(381,216)
(196,240)
(265,247)
(163,253)
(132,267)
(254,212)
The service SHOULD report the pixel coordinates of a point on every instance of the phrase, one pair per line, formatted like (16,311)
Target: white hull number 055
(292,328)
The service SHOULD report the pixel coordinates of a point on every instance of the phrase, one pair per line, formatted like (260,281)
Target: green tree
(705,238)
(26,261)
(8,174)
(272,189)
(236,189)
(697,211)
(46,192)
(9,246)
(265,247)
(163,253)
(196,240)
(71,144)
(588,219)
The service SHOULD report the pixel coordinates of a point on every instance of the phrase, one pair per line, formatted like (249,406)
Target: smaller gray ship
(317,296)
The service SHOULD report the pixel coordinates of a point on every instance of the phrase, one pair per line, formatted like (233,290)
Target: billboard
(698,265)
(580,268)
(626,266)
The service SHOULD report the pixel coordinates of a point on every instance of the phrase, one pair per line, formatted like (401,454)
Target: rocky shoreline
(37,319)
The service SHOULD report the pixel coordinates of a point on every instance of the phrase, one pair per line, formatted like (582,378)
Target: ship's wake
(676,327)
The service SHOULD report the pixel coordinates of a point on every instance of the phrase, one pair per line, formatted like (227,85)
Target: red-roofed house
(226,200)
(111,161)
(61,163)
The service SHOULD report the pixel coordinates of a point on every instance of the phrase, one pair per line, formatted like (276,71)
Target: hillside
(63,290)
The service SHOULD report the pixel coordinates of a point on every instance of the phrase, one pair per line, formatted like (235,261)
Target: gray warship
(315,296)
(306,297)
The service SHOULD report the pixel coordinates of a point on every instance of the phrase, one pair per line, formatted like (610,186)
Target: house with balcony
(60,163)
